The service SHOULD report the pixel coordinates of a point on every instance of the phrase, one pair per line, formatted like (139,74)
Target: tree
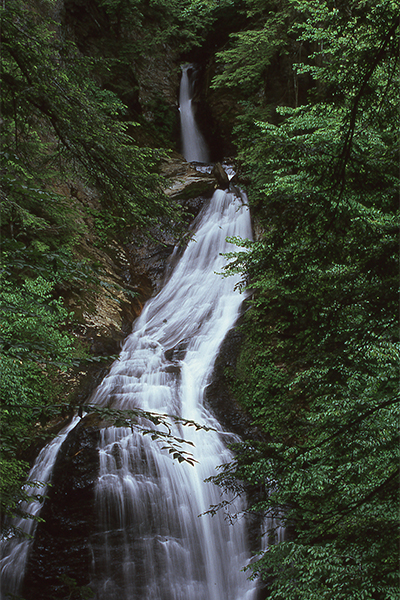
(246,58)
(320,365)
(58,126)
(48,85)
(33,350)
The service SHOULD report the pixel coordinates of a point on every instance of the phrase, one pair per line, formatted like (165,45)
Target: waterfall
(194,147)
(153,541)
(15,549)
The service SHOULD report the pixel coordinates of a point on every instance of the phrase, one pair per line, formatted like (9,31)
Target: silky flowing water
(194,147)
(151,541)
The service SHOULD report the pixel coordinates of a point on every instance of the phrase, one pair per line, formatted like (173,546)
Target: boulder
(220,175)
(185,181)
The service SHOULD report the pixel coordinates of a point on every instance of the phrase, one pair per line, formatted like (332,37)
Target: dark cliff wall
(61,547)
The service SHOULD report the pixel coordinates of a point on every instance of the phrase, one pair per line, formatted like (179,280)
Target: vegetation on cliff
(319,370)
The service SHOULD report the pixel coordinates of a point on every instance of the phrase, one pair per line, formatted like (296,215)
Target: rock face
(185,181)
(220,398)
(218,393)
(158,77)
(145,81)
(105,307)
(61,547)
(221,176)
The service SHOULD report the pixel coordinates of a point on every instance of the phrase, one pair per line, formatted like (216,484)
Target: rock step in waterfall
(151,542)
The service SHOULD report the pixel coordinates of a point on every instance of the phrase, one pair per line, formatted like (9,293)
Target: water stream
(194,147)
(151,542)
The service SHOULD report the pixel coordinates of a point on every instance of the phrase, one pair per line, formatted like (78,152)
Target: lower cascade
(152,542)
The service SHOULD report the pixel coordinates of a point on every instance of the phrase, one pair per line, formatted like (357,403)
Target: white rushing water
(15,549)
(194,147)
(152,543)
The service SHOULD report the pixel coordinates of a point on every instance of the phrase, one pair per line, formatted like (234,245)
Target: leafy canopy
(58,127)
(319,368)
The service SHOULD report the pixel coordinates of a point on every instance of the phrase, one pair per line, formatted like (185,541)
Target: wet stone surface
(218,396)
(61,547)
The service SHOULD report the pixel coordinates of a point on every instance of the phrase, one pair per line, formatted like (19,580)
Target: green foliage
(33,348)
(245,62)
(160,427)
(182,24)
(325,571)
(196,18)
(319,370)
(48,87)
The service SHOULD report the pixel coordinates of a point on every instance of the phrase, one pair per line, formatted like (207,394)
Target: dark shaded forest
(303,96)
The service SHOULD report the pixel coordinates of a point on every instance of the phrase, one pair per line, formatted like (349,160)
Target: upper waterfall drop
(194,147)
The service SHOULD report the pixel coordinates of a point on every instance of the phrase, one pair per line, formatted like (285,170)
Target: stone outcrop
(158,77)
(221,176)
(219,396)
(61,548)
(105,307)
(185,182)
